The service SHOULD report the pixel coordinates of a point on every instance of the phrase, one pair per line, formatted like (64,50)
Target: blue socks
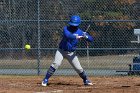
(83,75)
(50,72)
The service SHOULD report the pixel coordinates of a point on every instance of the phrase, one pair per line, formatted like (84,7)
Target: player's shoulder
(65,28)
(80,30)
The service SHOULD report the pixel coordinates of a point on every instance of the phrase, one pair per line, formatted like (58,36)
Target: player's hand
(85,35)
(79,37)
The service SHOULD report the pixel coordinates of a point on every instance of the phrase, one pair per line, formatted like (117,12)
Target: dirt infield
(69,84)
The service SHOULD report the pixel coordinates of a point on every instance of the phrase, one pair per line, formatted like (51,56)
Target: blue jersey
(69,41)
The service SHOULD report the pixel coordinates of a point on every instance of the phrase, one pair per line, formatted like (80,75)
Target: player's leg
(74,61)
(56,63)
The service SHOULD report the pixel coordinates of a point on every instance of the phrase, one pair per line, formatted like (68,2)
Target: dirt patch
(69,84)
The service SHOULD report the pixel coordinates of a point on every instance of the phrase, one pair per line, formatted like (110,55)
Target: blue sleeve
(68,34)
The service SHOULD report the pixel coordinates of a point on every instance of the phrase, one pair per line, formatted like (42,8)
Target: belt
(66,50)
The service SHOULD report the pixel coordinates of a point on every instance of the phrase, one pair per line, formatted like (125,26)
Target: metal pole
(38,49)
(88,54)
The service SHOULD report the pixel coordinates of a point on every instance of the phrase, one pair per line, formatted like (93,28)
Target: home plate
(54,91)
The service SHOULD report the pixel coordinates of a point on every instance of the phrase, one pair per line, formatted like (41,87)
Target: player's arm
(87,37)
(70,35)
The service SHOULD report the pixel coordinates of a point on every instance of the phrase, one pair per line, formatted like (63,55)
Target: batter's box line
(54,91)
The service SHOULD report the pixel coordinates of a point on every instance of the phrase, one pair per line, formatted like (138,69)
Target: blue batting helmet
(75,20)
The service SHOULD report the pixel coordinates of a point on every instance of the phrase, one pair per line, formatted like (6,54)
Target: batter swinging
(67,47)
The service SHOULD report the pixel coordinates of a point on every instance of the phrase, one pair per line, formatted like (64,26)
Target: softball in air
(27,47)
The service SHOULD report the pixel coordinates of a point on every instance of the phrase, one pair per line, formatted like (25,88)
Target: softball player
(67,47)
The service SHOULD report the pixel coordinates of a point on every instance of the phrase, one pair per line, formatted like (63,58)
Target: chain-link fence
(40,23)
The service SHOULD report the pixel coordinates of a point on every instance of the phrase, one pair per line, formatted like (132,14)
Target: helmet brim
(73,24)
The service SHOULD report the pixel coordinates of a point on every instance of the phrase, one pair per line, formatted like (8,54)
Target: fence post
(38,49)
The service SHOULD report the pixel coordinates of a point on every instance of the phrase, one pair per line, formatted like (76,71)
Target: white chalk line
(54,91)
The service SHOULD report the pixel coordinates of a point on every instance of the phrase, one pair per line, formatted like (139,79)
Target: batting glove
(85,35)
(78,37)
